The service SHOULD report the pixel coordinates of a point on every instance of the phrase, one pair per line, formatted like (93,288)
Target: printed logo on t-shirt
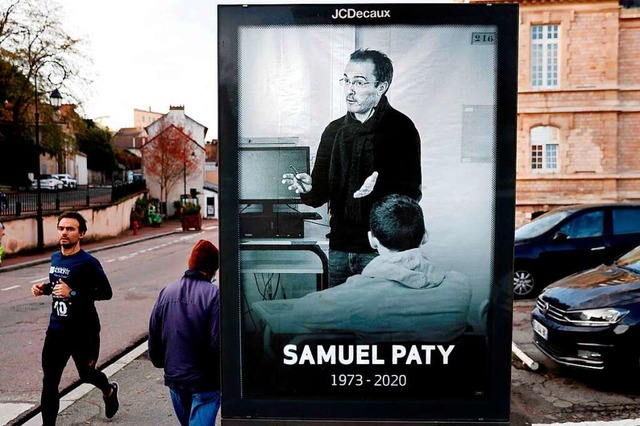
(61,308)
(60,271)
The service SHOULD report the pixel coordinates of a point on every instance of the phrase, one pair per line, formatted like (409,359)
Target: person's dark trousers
(344,264)
(58,348)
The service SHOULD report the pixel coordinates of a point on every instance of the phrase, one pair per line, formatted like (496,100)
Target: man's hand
(301,182)
(61,289)
(38,289)
(367,186)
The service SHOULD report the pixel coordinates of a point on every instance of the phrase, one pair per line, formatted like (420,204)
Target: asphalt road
(549,395)
(137,272)
(558,394)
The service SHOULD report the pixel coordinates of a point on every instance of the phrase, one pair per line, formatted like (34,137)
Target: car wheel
(523,283)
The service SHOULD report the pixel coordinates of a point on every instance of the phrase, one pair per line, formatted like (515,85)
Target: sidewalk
(143,397)
(144,400)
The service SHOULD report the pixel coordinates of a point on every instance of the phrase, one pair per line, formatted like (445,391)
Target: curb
(33,417)
(93,250)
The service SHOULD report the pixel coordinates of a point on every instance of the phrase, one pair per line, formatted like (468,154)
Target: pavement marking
(209,228)
(628,422)
(157,247)
(73,396)
(9,411)
(10,288)
(39,280)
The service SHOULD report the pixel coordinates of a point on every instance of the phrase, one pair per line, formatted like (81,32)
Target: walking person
(184,331)
(76,281)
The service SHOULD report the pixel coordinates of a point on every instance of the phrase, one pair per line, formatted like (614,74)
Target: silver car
(67,180)
(48,182)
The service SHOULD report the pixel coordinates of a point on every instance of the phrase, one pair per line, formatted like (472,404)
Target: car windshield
(541,225)
(631,260)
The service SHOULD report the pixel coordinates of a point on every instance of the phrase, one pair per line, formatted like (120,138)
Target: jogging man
(76,281)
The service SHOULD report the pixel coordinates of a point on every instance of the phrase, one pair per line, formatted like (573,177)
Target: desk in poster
(265,264)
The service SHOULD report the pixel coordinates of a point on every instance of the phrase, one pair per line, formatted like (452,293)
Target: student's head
(204,258)
(366,78)
(396,222)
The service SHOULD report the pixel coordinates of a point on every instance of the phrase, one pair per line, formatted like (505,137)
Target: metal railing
(25,202)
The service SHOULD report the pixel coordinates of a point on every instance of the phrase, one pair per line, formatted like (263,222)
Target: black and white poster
(366,211)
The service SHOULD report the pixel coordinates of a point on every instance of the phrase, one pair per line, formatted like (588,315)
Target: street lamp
(184,175)
(56,99)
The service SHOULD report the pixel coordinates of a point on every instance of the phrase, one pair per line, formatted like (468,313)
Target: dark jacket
(184,332)
(350,151)
(83,273)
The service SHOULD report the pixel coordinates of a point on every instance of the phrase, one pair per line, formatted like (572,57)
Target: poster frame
(238,409)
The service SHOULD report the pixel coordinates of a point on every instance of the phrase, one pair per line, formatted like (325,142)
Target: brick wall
(596,105)
(629,143)
(592,144)
(629,48)
(592,43)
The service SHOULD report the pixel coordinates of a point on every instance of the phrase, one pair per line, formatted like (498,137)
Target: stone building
(578,104)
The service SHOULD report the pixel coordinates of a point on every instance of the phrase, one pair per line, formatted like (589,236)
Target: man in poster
(372,151)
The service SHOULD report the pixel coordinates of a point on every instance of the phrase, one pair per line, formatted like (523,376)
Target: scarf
(352,162)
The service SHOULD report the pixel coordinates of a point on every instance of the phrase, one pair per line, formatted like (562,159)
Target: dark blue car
(591,319)
(571,239)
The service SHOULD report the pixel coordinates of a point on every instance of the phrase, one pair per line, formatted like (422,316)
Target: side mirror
(560,237)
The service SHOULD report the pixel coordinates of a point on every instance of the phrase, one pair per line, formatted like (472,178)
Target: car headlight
(596,317)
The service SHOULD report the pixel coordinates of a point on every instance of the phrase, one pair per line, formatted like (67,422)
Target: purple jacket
(184,332)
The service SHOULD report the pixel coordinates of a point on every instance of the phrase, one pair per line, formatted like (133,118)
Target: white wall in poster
(442,81)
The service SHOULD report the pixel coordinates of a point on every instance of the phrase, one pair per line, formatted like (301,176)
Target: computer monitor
(260,170)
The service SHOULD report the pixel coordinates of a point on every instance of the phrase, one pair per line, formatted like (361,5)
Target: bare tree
(7,24)
(34,40)
(41,56)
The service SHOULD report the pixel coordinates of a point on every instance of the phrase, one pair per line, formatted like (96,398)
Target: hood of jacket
(410,268)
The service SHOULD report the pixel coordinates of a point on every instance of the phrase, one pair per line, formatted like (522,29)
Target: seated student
(399,296)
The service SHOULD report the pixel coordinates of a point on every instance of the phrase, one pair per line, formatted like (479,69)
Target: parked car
(47,182)
(68,181)
(571,239)
(591,319)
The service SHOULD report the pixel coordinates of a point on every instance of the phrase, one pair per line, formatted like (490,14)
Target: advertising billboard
(367,176)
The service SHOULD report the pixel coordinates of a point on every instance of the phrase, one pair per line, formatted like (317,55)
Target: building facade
(578,104)
(142,118)
(185,131)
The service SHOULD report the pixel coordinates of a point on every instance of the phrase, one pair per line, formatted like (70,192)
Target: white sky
(153,54)
(148,54)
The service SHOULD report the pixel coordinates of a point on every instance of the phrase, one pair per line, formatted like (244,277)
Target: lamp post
(184,176)
(39,219)
(56,99)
